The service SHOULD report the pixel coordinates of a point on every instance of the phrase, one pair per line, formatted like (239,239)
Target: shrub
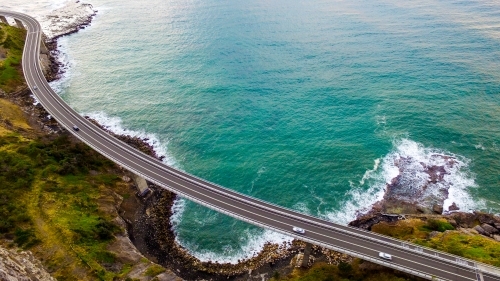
(438,225)
(345,269)
(23,237)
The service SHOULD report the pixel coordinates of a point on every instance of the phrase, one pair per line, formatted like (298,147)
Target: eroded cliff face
(22,266)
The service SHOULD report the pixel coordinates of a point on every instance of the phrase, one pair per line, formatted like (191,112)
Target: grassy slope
(11,42)
(11,115)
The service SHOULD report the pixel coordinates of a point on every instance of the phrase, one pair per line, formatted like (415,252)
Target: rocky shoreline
(406,198)
(481,223)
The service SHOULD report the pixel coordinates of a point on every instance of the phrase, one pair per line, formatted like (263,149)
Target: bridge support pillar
(19,24)
(142,186)
(43,48)
(307,253)
(4,20)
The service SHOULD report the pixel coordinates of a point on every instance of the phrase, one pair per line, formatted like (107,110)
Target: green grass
(437,225)
(11,40)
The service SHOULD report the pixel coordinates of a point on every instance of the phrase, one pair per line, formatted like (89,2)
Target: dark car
(76,128)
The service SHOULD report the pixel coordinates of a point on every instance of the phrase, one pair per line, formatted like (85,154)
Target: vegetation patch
(11,116)
(11,51)
(48,203)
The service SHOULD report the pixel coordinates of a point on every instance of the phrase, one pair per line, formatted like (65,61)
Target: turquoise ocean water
(301,103)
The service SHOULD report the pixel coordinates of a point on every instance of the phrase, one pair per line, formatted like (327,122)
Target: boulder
(453,207)
(438,209)
(496,237)
(485,218)
(433,234)
(480,230)
(497,225)
(465,220)
(453,222)
(489,229)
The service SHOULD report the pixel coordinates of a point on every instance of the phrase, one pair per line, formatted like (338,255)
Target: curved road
(406,257)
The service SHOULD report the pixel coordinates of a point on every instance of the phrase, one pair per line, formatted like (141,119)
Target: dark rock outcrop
(488,229)
(480,230)
(438,209)
(368,221)
(453,207)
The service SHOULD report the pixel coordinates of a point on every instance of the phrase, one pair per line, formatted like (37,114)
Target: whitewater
(290,104)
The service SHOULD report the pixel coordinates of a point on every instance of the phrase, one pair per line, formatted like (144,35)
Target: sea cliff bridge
(406,257)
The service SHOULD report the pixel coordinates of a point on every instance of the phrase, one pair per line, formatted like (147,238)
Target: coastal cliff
(22,266)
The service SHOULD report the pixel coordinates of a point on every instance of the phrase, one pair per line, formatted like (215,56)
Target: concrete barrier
(19,24)
(307,253)
(142,186)
(43,49)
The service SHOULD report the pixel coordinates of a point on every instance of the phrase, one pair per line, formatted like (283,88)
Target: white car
(299,230)
(385,256)
(35,88)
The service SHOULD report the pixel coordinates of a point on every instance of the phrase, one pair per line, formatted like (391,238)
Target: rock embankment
(70,18)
